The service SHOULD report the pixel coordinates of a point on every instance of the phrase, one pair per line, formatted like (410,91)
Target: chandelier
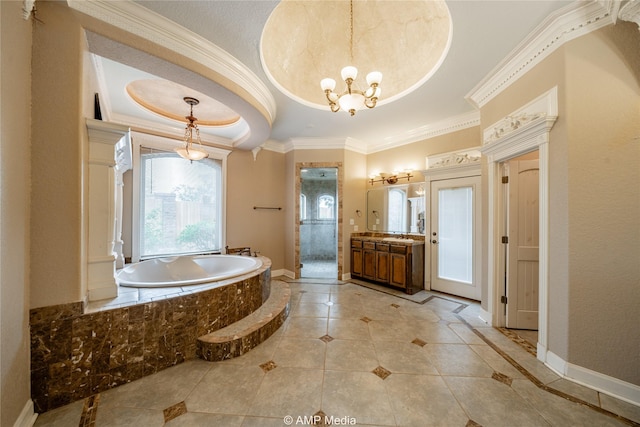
(352,99)
(190,152)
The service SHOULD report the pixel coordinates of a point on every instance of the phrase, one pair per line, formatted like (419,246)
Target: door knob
(435,242)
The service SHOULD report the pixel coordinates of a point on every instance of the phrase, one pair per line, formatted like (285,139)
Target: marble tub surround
(242,336)
(441,366)
(76,353)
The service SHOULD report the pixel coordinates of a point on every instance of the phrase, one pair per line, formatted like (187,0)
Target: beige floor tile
(193,419)
(395,330)
(260,354)
(226,389)
(466,334)
(316,297)
(310,309)
(345,311)
(491,403)
(497,362)
(404,357)
(351,355)
(288,391)
(576,390)
(305,327)
(349,329)
(300,353)
(265,422)
(170,386)
(127,417)
(361,395)
(422,400)
(617,406)
(419,312)
(68,415)
(559,411)
(457,360)
(435,333)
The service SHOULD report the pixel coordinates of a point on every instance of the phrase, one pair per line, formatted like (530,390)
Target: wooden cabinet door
(382,266)
(369,264)
(398,270)
(356,261)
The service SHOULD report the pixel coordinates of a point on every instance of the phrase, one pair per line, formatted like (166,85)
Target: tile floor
(364,357)
(317,269)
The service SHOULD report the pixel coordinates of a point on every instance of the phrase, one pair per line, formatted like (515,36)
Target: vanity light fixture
(352,99)
(190,152)
(392,179)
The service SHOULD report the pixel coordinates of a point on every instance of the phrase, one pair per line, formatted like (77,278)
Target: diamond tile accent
(419,342)
(381,372)
(472,423)
(326,338)
(502,378)
(366,319)
(174,411)
(268,366)
(394,305)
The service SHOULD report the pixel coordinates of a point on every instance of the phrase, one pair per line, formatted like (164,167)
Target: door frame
(476,184)
(339,177)
(526,129)
(451,165)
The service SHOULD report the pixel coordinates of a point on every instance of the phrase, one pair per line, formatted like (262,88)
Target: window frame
(167,144)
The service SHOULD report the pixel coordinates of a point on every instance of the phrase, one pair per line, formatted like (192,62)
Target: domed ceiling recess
(166,99)
(306,41)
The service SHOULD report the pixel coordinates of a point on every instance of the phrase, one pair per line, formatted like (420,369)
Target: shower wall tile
(76,354)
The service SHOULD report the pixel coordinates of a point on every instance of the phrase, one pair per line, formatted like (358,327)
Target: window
(178,207)
(179,204)
(326,207)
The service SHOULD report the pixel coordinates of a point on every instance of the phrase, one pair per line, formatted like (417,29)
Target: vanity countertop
(392,239)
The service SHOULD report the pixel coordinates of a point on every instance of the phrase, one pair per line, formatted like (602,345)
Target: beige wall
(594,197)
(256,183)
(15,132)
(57,158)
(414,155)
(603,105)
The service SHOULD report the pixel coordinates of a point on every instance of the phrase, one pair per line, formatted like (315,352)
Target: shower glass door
(318,223)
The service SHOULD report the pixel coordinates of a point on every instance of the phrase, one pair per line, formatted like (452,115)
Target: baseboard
(611,386)
(486,317)
(27,417)
(346,277)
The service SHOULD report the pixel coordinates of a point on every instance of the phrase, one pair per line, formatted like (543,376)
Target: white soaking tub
(186,270)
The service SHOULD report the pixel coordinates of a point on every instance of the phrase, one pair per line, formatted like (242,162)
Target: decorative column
(107,143)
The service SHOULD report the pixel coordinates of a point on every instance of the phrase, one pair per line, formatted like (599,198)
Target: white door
(522,254)
(455,236)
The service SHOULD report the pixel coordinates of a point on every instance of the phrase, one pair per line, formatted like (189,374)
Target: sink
(397,239)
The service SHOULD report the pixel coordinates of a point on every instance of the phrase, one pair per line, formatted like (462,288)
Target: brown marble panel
(76,355)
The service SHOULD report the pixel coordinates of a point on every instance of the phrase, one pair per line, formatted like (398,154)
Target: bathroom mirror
(396,209)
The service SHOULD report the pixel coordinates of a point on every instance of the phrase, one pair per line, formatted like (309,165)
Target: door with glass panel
(455,236)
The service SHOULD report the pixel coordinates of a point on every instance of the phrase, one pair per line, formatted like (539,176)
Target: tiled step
(245,334)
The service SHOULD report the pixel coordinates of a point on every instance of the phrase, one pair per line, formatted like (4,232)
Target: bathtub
(185,270)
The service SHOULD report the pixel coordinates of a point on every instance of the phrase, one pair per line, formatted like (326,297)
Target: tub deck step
(245,334)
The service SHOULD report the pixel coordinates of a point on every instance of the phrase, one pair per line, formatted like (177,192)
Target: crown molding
(138,20)
(350,144)
(630,12)
(568,23)
(452,124)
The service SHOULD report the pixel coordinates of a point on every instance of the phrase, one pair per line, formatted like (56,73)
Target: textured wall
(15,105)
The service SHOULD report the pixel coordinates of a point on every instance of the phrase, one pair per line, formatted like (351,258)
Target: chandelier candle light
(352,99)
(190,152)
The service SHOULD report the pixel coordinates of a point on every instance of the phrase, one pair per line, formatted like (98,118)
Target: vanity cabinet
(396,264)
